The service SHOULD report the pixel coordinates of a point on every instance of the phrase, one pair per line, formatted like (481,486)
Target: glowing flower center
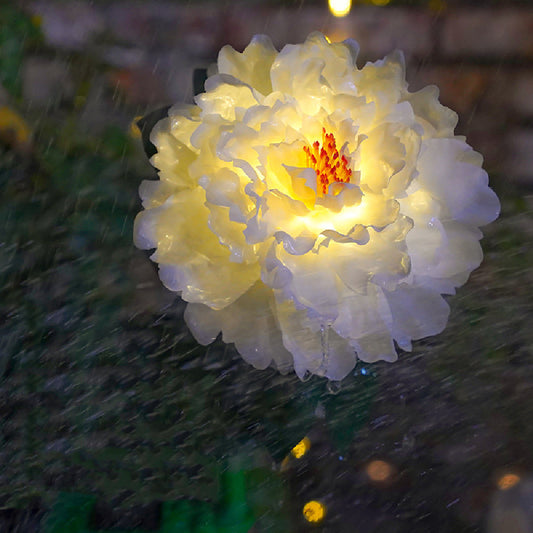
(328,164)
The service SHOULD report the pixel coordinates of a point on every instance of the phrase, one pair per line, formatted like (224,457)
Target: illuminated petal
(172,158)
(192,260)
(417,312)
(436,119)
(226,188)
(154,193)
(253,65)
(315,349)
(249,323)
(362,314)
(459,185)
(376,347)
(225,96)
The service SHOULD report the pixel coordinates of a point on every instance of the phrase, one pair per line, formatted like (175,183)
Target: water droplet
(334,387)
(324,339)
(408,442)
(320,411)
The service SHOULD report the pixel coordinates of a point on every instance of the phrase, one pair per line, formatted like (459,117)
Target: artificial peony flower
(311,211)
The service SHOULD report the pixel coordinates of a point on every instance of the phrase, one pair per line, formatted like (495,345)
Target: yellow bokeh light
(437,5)
(314,511)
(379,471)
(13,126)
(301,448)
(37,20)
(340,8)
(508,481)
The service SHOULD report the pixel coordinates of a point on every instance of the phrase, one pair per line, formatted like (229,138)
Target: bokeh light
(13,128)
(340,8)
(379,471)
(508,481)
(314,511)
(301,448)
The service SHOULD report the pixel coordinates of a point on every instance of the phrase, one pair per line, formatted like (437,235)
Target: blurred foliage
(18,35)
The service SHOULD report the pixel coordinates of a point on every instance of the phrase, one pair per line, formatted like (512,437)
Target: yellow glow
(340,32)
(37,20)
(13,126)
(314,511)
(437,5)
(340,8)
(321,218)
(508,481)
(379,471)
(380,2)
(301,448)
(135,132)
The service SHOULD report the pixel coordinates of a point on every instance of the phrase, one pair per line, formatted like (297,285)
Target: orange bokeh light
(379,471)
(508,481)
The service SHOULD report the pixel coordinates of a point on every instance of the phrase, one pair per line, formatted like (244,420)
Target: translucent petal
(316,349)
(417,312)
(249,323)
(252,66)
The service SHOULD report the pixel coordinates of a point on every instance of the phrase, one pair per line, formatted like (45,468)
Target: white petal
(145,230)
(224,94)
(417,312)
(376,347)
(316,350)
(253,65)
(192,259)
(249,323)
(461,186)
(438,120)
(154,193)
(173,158)
(362,314)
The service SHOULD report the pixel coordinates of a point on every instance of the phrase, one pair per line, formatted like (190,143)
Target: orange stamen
(326,161)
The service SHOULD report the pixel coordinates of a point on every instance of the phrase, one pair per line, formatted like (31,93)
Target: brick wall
(481,58)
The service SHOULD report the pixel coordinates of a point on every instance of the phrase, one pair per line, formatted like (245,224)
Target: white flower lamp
(311,211)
